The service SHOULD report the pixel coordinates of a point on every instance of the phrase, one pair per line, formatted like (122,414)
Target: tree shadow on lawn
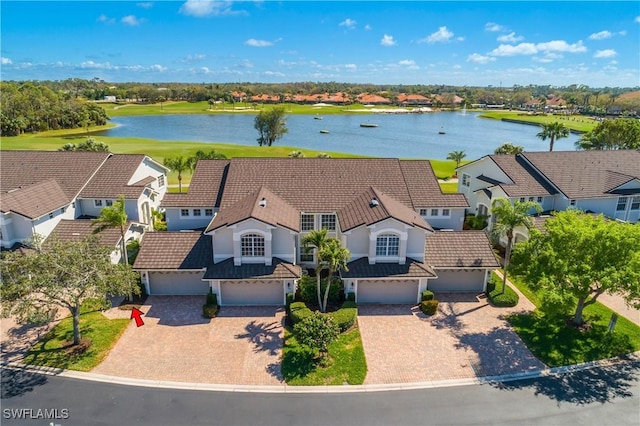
(297,363)
(19,382)
(45,353)
(594,385)
(266,337)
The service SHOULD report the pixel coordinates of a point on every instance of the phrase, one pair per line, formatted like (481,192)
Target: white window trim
(466,180)
(335,221)
(313,222)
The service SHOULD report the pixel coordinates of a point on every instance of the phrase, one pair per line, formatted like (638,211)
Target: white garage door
(457,281)
(387,291)
(251,293)
(177,283)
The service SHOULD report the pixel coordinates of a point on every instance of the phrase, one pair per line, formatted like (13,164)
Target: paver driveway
(242,345)
(466,338)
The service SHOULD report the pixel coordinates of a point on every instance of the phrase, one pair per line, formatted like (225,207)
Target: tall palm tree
(509,217)
(553,131)
(316,240)
(114,216)
(335,257)
(179,165)
(456,156)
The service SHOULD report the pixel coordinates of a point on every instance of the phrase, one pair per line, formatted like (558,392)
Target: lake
(396,135)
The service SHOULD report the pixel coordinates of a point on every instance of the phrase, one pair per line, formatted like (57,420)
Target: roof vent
(263,202)
(374,202)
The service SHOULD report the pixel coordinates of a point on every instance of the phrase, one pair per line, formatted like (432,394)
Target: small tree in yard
(317,332)
(456,156)
(335,257)
(583,256)
(62,274)
(316,240)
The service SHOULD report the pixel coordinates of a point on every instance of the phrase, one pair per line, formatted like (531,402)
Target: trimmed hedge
(309,292)
(299,311)
(289,298)
(427,295)
(346,316)
(209,311)
(351,297)
(212,298)
(429,307)
(497,298)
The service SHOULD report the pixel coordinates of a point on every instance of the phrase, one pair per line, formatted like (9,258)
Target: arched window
(252,245)
(387,245)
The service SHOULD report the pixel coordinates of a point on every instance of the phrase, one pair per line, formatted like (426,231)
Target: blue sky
(477,43)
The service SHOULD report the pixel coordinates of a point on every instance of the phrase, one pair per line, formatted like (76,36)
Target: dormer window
(252,245)
(328,222)
(387,245)
(307,222)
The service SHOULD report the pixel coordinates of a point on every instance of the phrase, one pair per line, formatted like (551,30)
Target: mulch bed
(136,302)
(73,350)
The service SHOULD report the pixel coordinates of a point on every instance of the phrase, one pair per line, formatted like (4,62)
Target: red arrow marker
(136,313)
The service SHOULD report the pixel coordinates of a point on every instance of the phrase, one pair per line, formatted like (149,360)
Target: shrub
(429,307)
(475,222)
(351,296)
(209,311)
(317,331)
(212,298)
(309,294)
(299,311)
(345,317)
(289,298)
(427,295)
(497,298)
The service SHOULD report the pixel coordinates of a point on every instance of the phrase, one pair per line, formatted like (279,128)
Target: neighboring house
(38,189)
(606,182)
(383,210)
(76,230)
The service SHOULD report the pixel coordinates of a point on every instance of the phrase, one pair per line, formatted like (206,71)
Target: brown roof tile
(459,249)
(424,189)
(113,177)
(35,200)
(526,182)
(362,269)
(174,250)
(205,188)
(279,269)
(587,174)
(76,230)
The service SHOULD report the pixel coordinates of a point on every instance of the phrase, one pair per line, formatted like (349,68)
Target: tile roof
(279,269)
(423,186)
(587,174)
(262,205)
(71,170)
(362,269)
(113,177)
(526,182)
(205,188)
(35,200)
(373,206)
(459,249)
(174,250)
(76,230)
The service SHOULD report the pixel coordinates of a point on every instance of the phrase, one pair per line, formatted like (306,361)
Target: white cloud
(273,73)
(532,49)
(387,40)
(509,38)
(194,58)
(606,53)
(258,43)
(510,50)
(97,65)
(367,27)
(245,63)
(131,20)
(205,70)
(637,20)
(104,18)
(443,35)
(407,62)
(351,67)
(480,59)
(204,8)
(493,27)
(145,5)
(349,23)
(561,46)
(5,61)
(602,35)
(158,68)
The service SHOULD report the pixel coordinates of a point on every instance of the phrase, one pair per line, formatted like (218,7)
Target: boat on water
(441,131)
(317,117)
(368,125)
(324,131)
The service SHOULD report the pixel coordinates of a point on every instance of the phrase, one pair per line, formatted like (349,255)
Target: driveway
(243,345)
(467,338)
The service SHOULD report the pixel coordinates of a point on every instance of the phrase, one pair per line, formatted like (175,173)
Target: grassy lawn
(347,362)
(449,187)
(102,332)
(579,123)
(556,344)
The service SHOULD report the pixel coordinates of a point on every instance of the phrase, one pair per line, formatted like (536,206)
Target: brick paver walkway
(241,346)
(467,338)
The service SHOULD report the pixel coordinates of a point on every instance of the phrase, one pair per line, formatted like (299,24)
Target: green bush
(475,222)
(429,307)
(212,298)
(427,295)
(497,298)
(209,311)
(351,296)
(299,311)
(309,293)
(346,316)
(289,298)
(317,331)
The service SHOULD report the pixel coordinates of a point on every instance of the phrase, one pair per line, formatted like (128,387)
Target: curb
(161,384)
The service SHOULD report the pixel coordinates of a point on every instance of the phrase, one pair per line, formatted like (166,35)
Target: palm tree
(316,240)
(179,165)
(114,216)
(456,156)
(509,217)
(335,257)
(553,131)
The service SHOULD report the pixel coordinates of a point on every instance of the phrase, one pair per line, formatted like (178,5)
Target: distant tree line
(34,107)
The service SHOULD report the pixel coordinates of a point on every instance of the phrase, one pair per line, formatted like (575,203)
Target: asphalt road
(601,396)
